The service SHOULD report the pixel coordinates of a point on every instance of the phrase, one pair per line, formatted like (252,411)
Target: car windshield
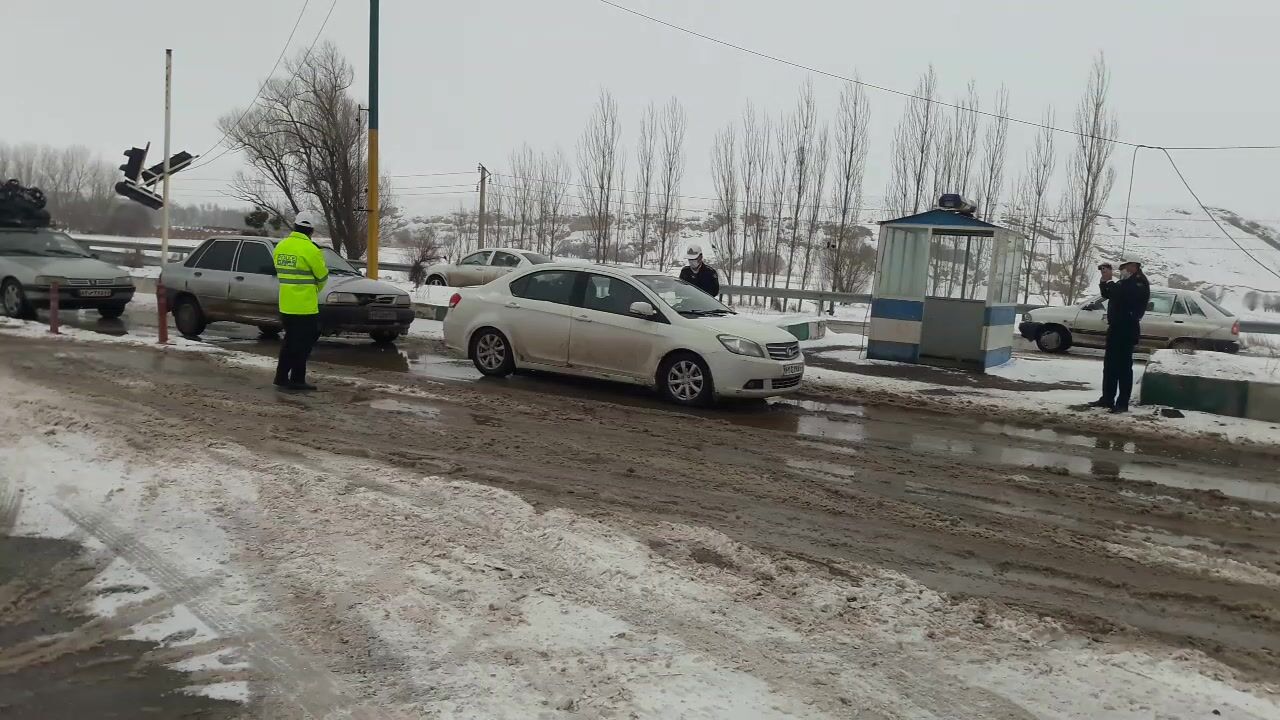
(682,297)
(41,243)
(536,259)
(336,263)
(1225,312)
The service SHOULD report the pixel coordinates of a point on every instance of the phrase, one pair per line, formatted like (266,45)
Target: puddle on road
(392,405)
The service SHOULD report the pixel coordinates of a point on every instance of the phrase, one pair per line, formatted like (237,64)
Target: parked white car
(1182,319)
(624,324)
(482,266)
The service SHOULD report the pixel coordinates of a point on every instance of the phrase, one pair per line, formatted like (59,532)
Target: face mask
(1125,274)
(693,263)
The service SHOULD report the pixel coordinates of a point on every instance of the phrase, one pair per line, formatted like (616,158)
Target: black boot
(1101,403)
(1117,410)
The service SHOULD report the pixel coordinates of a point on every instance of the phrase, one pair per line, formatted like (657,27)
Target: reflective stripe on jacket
(301,270)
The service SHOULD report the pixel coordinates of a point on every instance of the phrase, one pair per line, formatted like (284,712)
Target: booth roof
(944,219)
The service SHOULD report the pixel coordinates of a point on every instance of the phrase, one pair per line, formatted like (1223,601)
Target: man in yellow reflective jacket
(301,270)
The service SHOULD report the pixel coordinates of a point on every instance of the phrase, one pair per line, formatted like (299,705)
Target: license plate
(792,369)
(94,293)
(381,314)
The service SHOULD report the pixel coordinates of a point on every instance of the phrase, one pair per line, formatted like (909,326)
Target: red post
(163,313)
(53,308)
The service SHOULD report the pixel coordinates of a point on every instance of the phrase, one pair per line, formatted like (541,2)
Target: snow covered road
(395,547)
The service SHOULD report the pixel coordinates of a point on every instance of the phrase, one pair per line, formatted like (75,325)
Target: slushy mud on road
(1012,547)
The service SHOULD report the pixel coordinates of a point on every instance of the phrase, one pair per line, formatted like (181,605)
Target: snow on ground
(1217,365)
(39,329)
(474,604)
(1058,403)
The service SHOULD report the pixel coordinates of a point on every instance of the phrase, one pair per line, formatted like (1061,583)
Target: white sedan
(623,324)
(482,266)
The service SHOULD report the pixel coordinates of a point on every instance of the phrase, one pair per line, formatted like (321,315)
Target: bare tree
(305,140)
(620,211)
(645,148)
(724,177)
(671,172)
(955,150)
(804,128)
(1089,174)
(1034,186)
(851,145)
(752,168)
(556,175)
(424,250)
(913,145)
(779,175)
(813,205)
(994,146)
(597,157)
(525,190)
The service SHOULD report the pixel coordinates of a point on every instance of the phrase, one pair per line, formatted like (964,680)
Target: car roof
(595,267)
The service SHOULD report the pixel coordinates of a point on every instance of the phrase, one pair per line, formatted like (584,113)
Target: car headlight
(123,280)
(740,346)
(401,301)
(341,298)
(50,279)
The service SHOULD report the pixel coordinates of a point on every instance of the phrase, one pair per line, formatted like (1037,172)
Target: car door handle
(584,318)
(513,304)
(198,274)
(1178,322)
(239,277)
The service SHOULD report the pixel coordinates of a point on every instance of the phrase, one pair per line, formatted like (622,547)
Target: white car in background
(1181,319)
(482,266)
(624,324)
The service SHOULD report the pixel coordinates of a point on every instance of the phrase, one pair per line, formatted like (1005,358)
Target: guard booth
(946,288)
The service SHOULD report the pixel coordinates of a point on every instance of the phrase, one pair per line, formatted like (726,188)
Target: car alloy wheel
(1052,340)
(436,280)
(491,351)
(12,299)
(685,380)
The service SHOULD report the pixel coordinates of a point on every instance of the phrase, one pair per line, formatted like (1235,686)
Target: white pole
(168,113)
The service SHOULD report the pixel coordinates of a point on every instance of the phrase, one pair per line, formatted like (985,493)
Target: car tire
(384,337)
(1184,345)
(14,301)
(492,353)
(111,312)
(436,280)
(1053,339)
(685,379)
(189,318)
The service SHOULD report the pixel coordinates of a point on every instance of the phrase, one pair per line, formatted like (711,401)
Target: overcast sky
(464,82)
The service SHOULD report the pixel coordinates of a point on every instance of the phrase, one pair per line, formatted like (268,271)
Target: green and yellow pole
(372,204)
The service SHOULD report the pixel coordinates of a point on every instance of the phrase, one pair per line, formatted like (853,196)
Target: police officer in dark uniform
(698,272)
(1127,295)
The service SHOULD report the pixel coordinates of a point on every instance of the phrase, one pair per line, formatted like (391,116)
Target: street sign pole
(168,117)
(372,203)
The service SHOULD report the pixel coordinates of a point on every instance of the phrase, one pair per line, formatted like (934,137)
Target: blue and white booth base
(945,289)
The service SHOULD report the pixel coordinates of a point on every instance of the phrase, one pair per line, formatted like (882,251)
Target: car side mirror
(1093,306)
(643,309)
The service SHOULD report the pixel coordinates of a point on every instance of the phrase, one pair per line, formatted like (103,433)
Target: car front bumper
(336,319)
(1029,330)
(69,298)
(749,377)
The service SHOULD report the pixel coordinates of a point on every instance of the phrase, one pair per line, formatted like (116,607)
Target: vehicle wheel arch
(671,357)
(1063,330)
(657,370)
(1184,343)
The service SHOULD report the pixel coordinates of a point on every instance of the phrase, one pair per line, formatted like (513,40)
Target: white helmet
(694,252)
(305,219)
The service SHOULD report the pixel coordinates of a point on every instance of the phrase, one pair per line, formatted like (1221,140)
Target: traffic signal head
(133,167)
(139,194)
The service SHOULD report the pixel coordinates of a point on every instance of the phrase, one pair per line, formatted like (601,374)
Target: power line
(263,86)
(433,174)
(913,96)
(1186,184)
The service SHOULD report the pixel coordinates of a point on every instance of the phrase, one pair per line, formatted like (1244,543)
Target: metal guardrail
(1261,327)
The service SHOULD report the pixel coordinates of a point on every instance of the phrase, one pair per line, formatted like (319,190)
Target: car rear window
(554,286)
(1216,306)
(536,259)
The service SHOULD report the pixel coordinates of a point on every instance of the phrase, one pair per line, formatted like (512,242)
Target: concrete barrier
(1216,384)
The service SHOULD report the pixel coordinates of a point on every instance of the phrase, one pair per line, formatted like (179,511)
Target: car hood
(753,330)
(82,268)
(353,284)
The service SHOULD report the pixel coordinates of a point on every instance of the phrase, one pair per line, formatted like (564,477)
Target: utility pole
(372,204)
(168,117)
(484,178)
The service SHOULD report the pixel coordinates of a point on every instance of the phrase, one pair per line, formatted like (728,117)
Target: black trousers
(300,335)
(1117,369)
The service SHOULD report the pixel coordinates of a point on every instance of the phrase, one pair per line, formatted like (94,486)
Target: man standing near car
(698,272)
(1127,296)
(301,270)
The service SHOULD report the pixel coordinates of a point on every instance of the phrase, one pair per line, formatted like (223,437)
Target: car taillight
(453,301)
(1235,328)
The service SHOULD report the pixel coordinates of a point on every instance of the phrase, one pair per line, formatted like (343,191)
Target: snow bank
(1221,366)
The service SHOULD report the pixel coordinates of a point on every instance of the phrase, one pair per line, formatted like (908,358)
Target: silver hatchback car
(233,279)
